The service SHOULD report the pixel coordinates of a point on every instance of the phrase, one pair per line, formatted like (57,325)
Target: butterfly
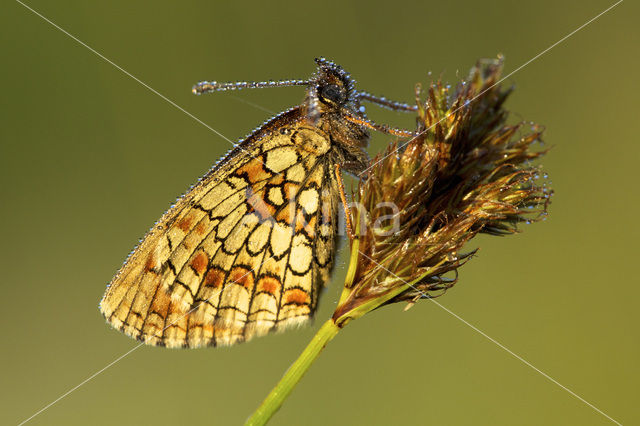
(247,249)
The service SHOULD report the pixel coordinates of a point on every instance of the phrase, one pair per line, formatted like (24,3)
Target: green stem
(281,391)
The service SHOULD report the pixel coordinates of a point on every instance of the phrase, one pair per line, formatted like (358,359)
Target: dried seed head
(467,172)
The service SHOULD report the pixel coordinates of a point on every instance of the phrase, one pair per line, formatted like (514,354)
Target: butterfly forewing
(243,253)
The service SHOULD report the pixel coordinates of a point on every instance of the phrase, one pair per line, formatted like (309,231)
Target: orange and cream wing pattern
(243,253)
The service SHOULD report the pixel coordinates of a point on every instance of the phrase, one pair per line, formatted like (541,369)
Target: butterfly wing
(244,252)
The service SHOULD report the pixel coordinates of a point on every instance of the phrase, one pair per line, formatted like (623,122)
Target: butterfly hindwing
(243,253)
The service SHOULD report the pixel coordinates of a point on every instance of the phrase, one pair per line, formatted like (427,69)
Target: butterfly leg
(379,127)
(343,198)
(386,103)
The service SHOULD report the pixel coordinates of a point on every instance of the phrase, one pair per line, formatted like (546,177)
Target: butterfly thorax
(347,141)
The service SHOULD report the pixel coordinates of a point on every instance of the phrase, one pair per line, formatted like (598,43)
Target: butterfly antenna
(214,86)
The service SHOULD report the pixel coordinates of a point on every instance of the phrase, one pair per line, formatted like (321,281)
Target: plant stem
(281,391)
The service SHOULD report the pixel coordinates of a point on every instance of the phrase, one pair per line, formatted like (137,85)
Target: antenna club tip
(203,87)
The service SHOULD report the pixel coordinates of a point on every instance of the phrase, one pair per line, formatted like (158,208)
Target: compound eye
(332,93)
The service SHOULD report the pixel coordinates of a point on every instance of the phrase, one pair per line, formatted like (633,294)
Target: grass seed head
(467,172)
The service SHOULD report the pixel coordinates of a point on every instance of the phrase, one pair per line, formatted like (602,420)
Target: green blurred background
(89,159)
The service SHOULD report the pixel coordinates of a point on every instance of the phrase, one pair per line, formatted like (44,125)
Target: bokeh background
(89,159)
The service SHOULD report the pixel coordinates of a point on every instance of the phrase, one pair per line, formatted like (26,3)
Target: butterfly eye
(332,93)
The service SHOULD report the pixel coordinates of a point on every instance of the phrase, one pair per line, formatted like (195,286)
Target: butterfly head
(332,85)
